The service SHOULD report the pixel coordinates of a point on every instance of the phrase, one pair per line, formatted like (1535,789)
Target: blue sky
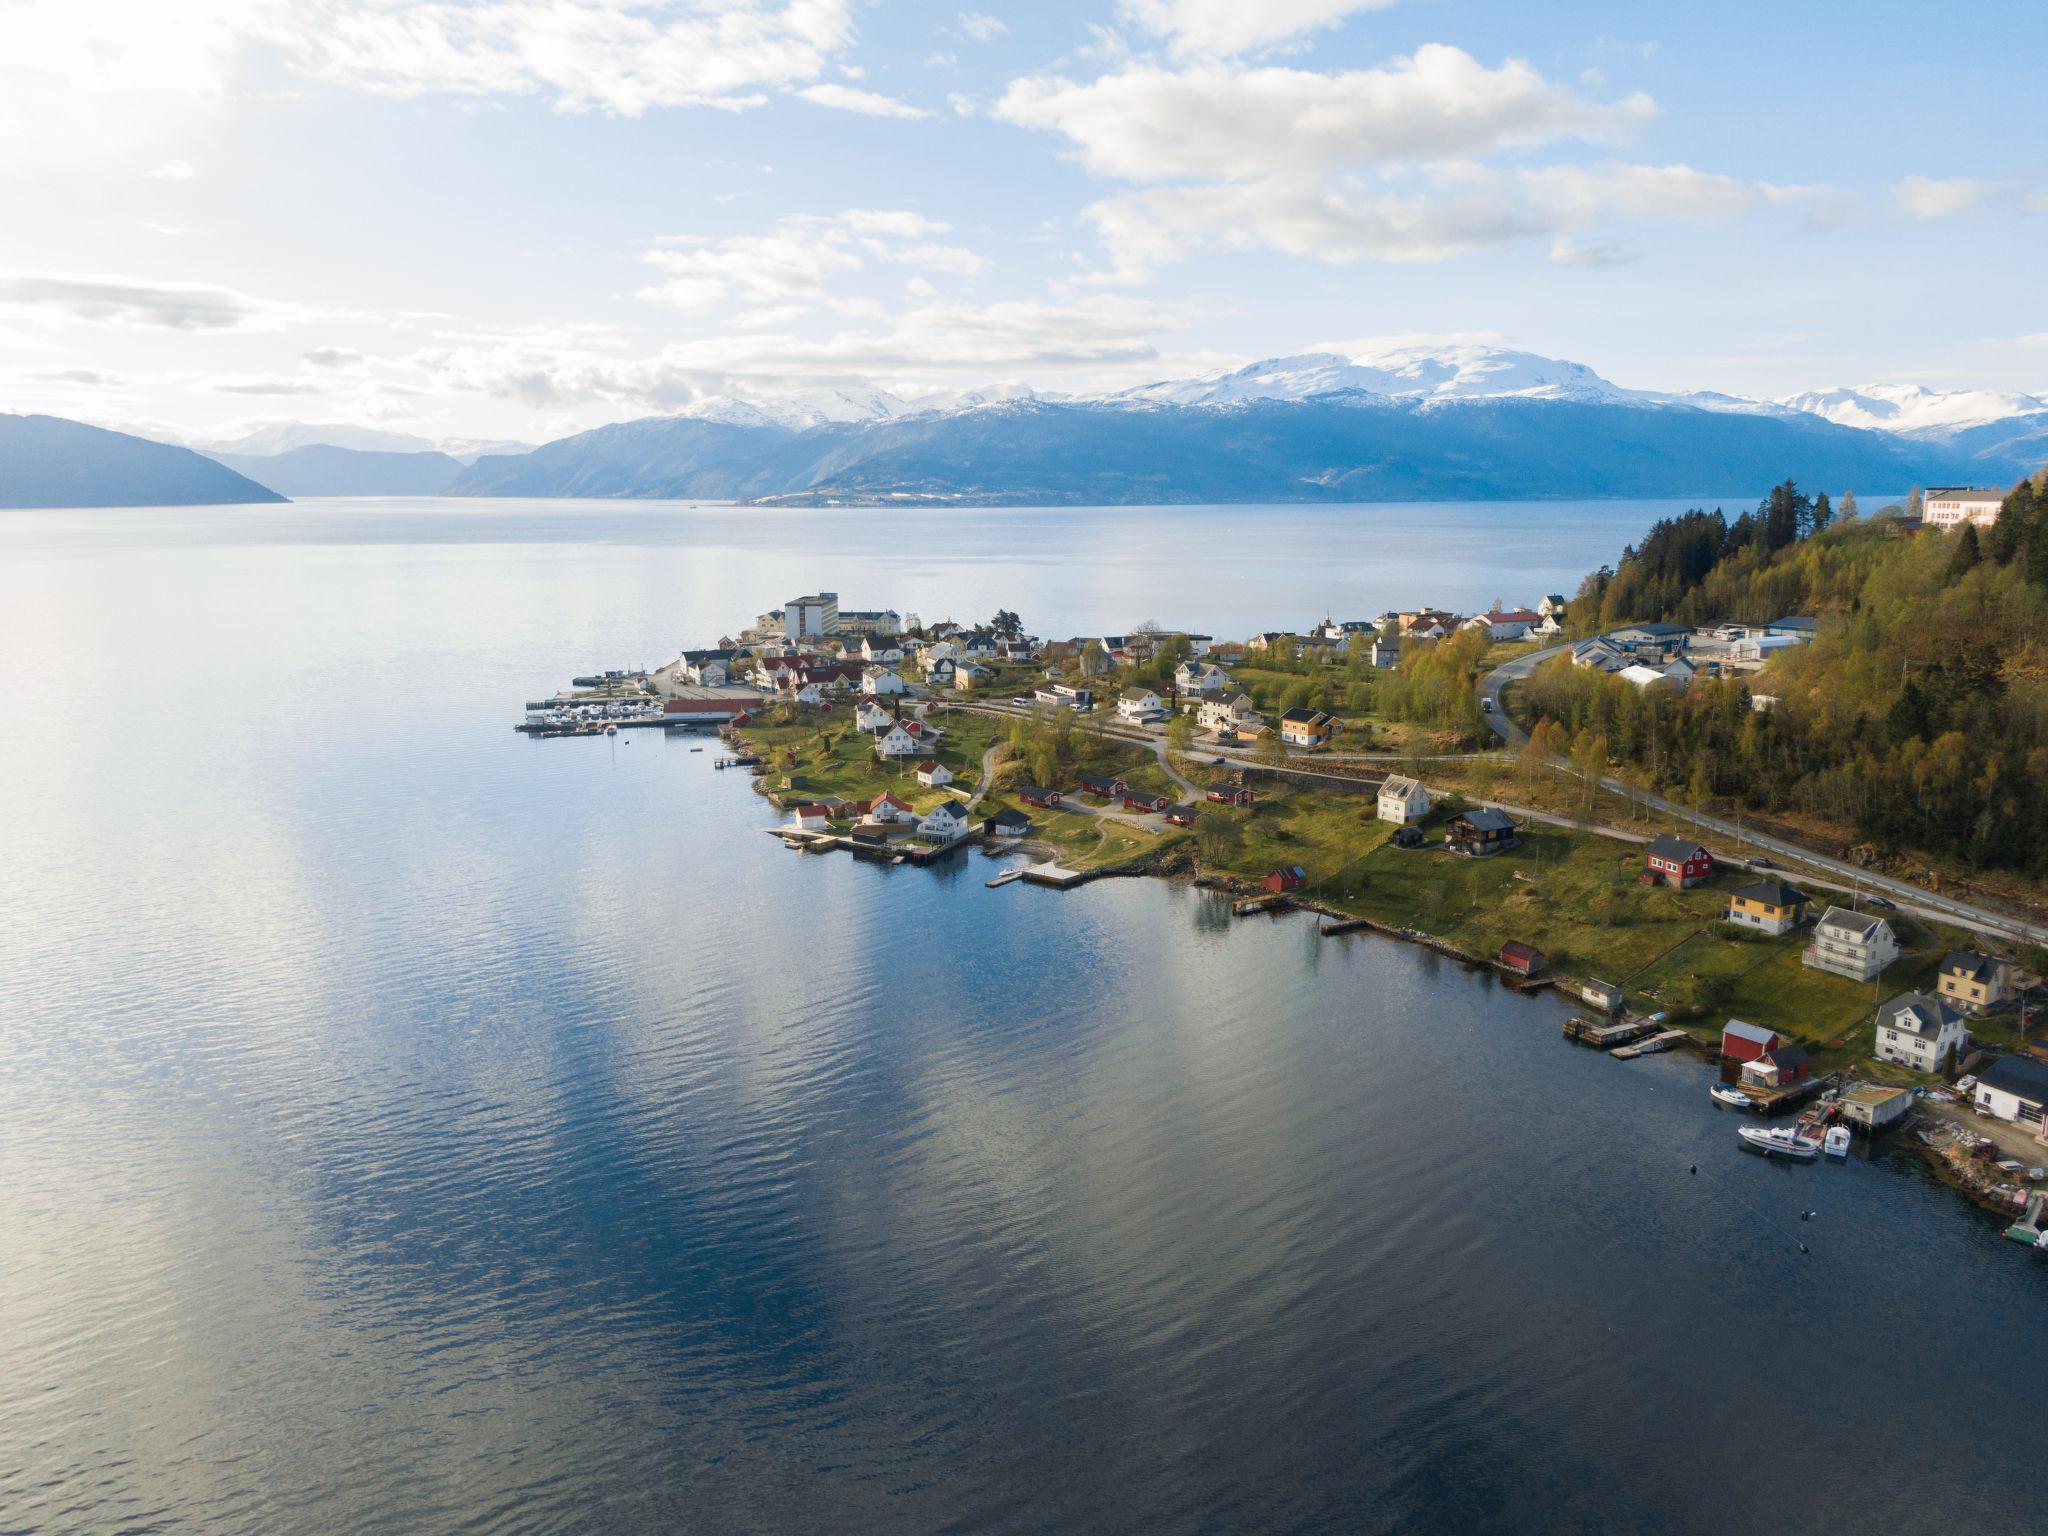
(521,217)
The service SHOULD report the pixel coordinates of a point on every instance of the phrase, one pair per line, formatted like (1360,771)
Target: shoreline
(1178,864)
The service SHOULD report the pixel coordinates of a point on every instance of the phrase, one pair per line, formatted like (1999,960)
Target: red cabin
(1677,861)
(1281,881)
(1225,794)
(1138,800)
(1045,799)
(1522,959)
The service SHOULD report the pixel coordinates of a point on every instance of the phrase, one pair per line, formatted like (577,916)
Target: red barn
(1747,1042)
(1281,881)
(1678,861)
(1522,959)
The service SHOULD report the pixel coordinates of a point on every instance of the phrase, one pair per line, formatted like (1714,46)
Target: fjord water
(407,1126)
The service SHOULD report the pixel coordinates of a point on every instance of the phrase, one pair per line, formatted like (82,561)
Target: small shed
(1280,881)
(1522,959)
(1603,995)
(1875,1105)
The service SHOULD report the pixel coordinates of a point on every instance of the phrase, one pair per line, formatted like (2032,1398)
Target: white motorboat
(1730,1095)
(1836,1142)
(1779,1141)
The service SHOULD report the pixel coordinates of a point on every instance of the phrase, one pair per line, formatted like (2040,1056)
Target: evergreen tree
(1848,507)
(1823,513)
(1963,559)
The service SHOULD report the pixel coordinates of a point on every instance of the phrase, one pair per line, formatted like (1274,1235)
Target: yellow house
(1974,982)
(1769,906)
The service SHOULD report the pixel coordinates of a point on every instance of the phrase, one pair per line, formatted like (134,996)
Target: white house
(1950,506)
(809,818)
(905,738)
(1921,1032)
(881,648)
(887,809)
(938,672)
(1140,704)
(1232,714)
(1552,607)
(805,693)
(1403,800)
(1601,653)
(1505,623)
(868,715)
(882,680)
(979,647)
(1386,652)
(1851,944)
(934,775)
(2014,1088)
(1199,679)
(936,652)
(943,822)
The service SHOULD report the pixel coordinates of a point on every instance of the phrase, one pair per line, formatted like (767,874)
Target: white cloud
(796,261)
(1448,211)
(1222,27)
(583,55)
(1572,251)
(260,384)
(982,28)
(175,170)
(1227,122)
(846,98)
(1926,198)
(333,357)
(129,301)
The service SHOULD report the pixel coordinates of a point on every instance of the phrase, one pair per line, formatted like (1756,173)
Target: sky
(519,218)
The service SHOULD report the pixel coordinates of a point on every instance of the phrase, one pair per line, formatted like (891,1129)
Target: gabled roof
(1306,717)
(1010,816)
(2018,1075)
(1397,784)
(1958,962)
(1915,1013)
(948,809)
(1859,923)
(1132,695)
(1755,1034)
(1772,893)
(1677,849)
(1788,1057)
(1658,627)
(1487,819)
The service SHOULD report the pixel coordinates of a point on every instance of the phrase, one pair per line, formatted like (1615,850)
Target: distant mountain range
(1415,423)
(46,461)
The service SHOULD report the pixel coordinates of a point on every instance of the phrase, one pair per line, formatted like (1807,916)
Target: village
(1259,768)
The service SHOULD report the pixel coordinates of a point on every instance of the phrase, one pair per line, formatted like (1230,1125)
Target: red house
(1138,800)
(1521,959)
(1101,788)
(1281,881)
(1678,861)
(1742,1042)
(1045,799)
(1227,794)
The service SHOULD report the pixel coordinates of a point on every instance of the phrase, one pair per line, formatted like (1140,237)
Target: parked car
(1762,863)
(1881,904)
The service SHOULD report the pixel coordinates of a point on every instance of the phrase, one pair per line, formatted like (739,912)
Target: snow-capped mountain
(1914,408)
(802,410)
(1420,373)
(275,437)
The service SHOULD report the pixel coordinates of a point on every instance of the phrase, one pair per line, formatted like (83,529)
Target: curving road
(1910,897)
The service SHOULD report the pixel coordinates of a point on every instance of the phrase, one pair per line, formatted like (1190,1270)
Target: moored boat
(1730,1095)
(1779,1141)
(1836,1142)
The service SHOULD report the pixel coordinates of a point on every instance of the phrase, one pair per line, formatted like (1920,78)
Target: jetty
(1605,1036)
(1663,1040)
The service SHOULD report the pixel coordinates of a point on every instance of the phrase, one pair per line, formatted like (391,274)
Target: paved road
(1857,880)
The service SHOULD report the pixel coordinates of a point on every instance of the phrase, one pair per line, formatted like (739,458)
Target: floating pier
(1663,1040)
(1603,1036)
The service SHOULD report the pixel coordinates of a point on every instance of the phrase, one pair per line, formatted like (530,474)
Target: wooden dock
(1663,1040)
(1605,1037)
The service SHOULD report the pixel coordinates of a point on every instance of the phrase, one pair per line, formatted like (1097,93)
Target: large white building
(1851,944)
(1950,506)
(811,618)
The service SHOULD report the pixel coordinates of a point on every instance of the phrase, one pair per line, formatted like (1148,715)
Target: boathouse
(1281,881)
(1522,959)
(1007,823)
(1742,1042)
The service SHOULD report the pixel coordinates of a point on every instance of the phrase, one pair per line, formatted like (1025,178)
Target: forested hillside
(1918,717)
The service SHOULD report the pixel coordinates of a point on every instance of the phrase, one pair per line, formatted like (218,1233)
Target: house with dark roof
(1482,833)
(1007,822)
(1181,815)
(1769,906)
(1975,982)
(1920,1032)
(1677,861)
(2013,1088)
(1780,1067)
(1102,786)
(944,822)
(1033,794)
(1307,728)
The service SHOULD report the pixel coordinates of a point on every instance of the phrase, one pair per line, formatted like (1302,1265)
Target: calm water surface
(406,1126)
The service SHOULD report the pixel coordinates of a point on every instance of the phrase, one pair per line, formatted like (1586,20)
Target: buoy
(1802,1247)
(1806,1215)
(1695,1167)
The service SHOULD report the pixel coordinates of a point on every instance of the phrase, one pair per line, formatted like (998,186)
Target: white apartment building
(1950,506)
